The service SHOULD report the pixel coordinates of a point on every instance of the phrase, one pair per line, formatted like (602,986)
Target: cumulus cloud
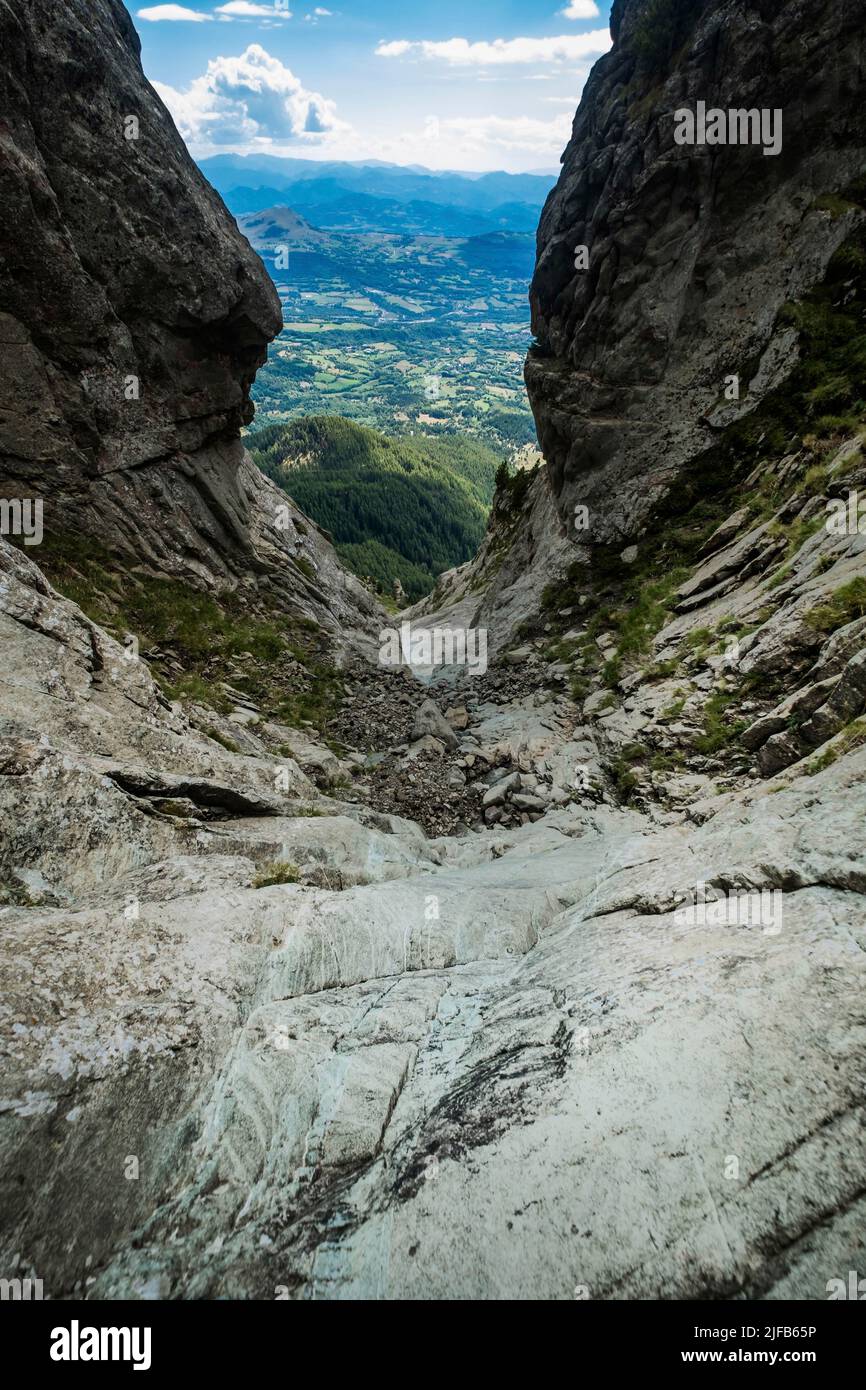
(154,13)
(231,10)
(252,99)
(580,9)
(564,48)
(245,9)
(395,49)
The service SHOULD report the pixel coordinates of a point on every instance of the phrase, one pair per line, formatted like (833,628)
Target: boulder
(426,744)
(458,717)
(430,721)
(500,790)
(518,655)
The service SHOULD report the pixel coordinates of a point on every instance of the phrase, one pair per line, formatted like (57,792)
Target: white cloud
(245,9)
(154,13)
(564,48)
(395,49)
(580,9)
(469,142)
(250,101)
(480,135)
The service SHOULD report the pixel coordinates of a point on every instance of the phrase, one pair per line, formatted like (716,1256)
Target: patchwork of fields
(407,334)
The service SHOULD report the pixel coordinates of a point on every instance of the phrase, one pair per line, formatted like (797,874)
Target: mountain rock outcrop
(692,250)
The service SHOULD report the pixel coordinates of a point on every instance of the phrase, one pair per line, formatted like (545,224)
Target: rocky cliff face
(693,250)
(262,1037)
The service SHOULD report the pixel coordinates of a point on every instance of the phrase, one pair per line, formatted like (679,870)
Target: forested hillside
(404,508)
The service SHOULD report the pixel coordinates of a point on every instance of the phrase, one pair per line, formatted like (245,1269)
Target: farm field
(406,334)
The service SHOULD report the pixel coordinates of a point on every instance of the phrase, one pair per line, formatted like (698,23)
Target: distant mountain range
(381,197)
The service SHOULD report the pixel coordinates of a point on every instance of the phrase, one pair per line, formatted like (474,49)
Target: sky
(449,84)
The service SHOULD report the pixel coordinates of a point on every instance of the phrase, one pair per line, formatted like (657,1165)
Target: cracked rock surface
(502,1065)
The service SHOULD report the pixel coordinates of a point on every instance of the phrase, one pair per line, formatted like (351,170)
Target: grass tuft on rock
(277,872)
(197,644)
(842,607)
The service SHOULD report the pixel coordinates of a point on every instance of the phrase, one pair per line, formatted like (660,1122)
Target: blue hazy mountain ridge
(381,197)
(478,192)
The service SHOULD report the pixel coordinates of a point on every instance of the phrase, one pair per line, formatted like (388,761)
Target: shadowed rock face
(118,260)
(693,250)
